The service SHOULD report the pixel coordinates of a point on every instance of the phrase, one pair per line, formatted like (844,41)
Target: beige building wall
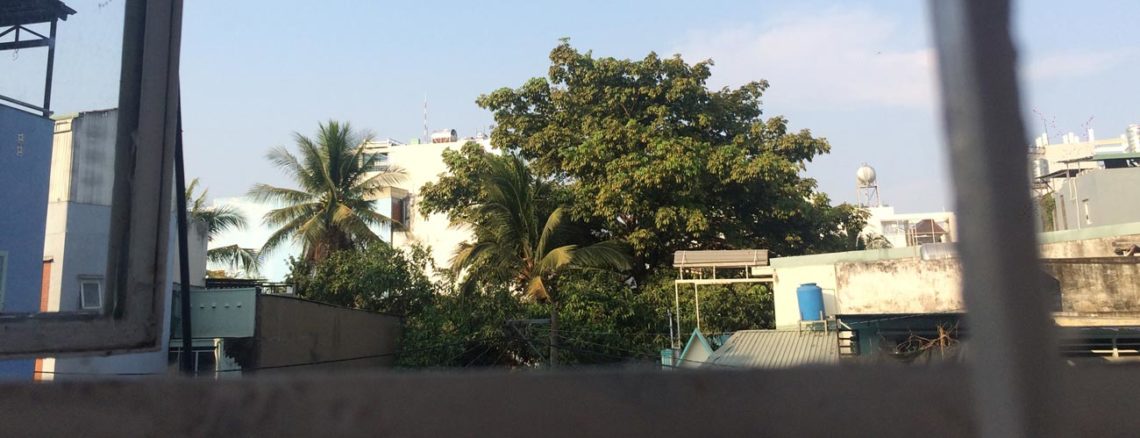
(899,286)
(423,163)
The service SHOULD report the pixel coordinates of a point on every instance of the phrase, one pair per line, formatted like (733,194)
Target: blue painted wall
(25,168)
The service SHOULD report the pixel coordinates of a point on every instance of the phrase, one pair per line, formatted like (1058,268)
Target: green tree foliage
(379,279)
(652,156)
(467,330)
(218,220)
(332,208)
(1046,209)
(603,321)
(517,242)
(724,308)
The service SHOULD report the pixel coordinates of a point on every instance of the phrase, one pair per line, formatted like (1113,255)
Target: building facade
(1087,182)
(421,163)
(25,165)
(74,249)
(909,229)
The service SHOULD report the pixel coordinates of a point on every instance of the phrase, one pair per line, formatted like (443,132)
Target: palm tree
(332,208)
(515,241)
(219,219)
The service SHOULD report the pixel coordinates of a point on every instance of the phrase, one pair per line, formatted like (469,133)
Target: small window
(91,294)
(1085,206)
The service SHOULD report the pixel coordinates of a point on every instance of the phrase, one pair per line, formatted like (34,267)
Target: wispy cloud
(1072,64)
(835,58)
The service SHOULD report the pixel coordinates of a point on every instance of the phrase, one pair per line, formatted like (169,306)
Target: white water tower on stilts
(866,187)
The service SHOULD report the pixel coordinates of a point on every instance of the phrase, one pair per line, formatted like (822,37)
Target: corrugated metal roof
(776,349)
(17,12)
(726,258)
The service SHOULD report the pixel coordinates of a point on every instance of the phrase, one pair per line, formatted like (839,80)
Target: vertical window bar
(1013,363)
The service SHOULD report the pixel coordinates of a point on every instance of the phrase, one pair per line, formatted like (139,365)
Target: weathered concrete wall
(899,286)
(1097,287)
(83,169)
(292,332)
(897,280)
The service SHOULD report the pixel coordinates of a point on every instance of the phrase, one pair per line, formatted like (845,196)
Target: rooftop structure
(910,229)
(15,18)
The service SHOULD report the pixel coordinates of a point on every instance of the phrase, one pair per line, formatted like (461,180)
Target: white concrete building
(421,163)
(911,229)
(1058,159)
(1089,180)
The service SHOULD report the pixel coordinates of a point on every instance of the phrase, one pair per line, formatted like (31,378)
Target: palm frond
(388,178)
(550,230)
(536,288)
(608,255)
(236,257)
(349,220)
(555,260)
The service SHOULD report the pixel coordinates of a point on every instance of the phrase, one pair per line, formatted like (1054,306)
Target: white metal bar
(724,280)
(697,304)
(1014,357)
(677,304)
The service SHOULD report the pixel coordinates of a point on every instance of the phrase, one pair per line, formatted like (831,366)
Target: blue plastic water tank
(810,298)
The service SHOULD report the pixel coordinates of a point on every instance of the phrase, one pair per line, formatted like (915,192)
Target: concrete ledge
(882,401)
(1090,233)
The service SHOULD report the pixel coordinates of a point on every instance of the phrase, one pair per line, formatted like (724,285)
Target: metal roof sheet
(18,12)
(776,349)
(726,258)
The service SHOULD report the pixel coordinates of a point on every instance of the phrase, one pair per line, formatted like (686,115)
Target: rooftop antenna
(426,138)
(1044,121)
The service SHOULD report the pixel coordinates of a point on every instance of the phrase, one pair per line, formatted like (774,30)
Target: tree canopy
(647,153)
(379,279)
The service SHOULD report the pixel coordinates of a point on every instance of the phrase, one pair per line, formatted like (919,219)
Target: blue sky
(858,73)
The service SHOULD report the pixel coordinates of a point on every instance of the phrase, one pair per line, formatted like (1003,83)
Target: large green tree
(519,241)
(652,156)
(219,219)
(331,209)
(379,278)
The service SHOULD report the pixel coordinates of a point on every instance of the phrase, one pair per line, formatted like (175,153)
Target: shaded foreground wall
(296,334)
